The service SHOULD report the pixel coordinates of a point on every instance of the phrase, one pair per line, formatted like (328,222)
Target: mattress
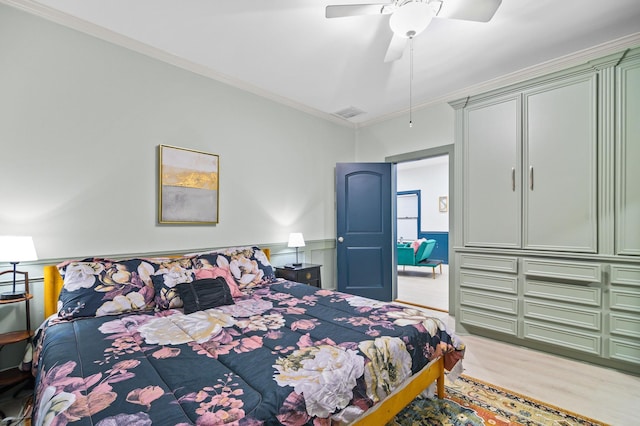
(283,353)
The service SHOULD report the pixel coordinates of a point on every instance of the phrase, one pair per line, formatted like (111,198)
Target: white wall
(433,126)
(81,122)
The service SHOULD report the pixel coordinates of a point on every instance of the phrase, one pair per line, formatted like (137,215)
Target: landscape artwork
(188,190)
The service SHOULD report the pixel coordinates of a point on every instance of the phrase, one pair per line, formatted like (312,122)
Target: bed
(214,338)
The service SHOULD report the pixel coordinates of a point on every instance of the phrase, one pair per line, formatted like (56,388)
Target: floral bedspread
(284,353)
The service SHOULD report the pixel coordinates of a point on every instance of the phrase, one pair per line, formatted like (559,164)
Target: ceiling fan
(410,17)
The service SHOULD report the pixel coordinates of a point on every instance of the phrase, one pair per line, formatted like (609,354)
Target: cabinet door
(628,159)
(560,176)
(492,173)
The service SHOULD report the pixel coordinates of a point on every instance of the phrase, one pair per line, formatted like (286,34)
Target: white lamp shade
(17,249)
(296,239)
(411,19)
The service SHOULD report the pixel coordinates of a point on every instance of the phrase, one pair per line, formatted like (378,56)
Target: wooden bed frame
(382,412)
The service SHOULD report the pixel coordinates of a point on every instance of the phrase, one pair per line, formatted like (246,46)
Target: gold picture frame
(443,204)
(188,190)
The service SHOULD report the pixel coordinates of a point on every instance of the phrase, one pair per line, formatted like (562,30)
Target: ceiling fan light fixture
(411,19)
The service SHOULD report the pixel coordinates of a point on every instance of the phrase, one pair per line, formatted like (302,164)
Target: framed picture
(443,204)
(188,186)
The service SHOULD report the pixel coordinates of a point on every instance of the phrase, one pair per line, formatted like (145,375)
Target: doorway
(426,178)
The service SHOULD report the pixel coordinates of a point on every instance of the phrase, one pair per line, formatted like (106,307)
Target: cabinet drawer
(489,263)
(572,293)
(564,337)
(493,302)
(574,271)
(309,274)
(625,300)
(625,325)
(629,275)
(491,321)
(624,350)
(287,274)
(501,283)
(562,314)
(306,275)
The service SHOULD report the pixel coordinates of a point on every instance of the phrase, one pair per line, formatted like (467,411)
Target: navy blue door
(364,226)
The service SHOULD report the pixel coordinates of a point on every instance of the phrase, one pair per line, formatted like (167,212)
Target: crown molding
(558,64)
(107,35)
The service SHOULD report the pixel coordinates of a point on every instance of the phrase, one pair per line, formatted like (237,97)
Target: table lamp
(15,250)
(296,240)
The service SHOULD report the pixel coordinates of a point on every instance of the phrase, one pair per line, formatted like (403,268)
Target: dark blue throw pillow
(204,294)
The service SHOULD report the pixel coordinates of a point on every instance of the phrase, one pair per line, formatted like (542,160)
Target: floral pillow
(168,275)
(249,266)
(215,272)
(106,287)
(62,267)
(416,244)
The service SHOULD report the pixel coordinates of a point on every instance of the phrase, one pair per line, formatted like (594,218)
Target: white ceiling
(288,51)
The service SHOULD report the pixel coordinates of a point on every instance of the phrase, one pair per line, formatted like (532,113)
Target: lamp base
(11,295)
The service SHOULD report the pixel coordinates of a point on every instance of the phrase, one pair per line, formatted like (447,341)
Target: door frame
(421,155)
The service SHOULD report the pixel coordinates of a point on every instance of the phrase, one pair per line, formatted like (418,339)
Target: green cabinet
(559,162)
(491,158)
(489,292)
(628,158)
(547,212)
(529,165)
(568,312)
(624,315)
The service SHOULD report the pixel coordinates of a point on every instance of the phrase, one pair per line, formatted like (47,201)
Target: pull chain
(411,82)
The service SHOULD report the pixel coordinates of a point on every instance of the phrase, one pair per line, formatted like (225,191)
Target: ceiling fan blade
(469,10)
(396,48)
(339,11)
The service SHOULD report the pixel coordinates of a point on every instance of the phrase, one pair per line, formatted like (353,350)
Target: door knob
(340,239)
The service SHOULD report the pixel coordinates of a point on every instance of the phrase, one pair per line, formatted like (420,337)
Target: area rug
(471,402)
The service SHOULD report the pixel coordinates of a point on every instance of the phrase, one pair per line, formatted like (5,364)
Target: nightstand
(306,273)
(13,376)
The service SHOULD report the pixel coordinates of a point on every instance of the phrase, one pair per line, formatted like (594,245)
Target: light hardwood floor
(603,394)
(419,283)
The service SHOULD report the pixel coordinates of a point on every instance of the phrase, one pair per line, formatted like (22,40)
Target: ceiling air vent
(348,113)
